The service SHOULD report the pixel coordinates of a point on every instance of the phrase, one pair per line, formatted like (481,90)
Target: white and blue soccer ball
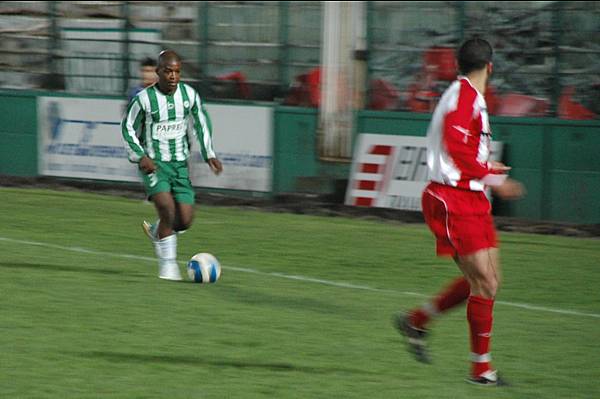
(204,268)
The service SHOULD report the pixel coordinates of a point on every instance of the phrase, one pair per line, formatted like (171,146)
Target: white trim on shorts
(447,213)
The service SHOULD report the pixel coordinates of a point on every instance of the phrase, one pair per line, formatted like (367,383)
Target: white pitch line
(294,277)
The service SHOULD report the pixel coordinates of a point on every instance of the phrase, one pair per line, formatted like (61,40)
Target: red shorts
(460,220)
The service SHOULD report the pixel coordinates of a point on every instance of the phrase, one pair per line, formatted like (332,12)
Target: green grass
(76,324)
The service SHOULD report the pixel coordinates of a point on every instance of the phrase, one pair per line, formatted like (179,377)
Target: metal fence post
(203,42)
(284,45)
(556,28)
(125,46)
(369,42)
(53,40)
(462,15)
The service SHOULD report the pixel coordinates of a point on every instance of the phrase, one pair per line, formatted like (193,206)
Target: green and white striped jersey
(156,125)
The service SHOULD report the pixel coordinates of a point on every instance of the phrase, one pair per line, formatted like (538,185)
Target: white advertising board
(243,140)
(391,171)
(81,138)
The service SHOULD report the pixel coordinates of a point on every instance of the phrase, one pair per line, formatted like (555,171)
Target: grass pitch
(302,309)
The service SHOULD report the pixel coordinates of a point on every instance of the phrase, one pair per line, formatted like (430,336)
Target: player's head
(148,71)
(475,55)
(168,71)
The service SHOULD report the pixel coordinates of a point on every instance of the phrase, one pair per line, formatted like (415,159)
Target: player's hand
(147,165)
(215,165)
(499,166)
(509,190)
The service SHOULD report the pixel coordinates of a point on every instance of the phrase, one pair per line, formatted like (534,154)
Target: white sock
(166,250)
(429,309)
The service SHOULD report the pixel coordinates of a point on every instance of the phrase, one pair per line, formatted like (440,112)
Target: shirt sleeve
(462,137)
(129,126)
(203,128)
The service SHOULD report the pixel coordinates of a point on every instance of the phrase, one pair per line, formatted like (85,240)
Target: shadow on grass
(249,296)
(63,268)
(197,361)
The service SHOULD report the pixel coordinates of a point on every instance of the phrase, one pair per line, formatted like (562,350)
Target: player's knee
(166,214)
(184,222)
(489,286)
(184,225)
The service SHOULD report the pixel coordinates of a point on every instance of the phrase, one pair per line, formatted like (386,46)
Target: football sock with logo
(454,294)
(479,315)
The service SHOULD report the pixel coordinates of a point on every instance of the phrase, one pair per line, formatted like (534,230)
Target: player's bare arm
(147,165)
(498,166)
(510,189)
(215,165)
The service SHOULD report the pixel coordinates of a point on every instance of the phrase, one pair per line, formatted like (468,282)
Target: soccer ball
(203,268)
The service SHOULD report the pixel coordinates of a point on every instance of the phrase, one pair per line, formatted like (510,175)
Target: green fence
(18,134)
(296,163)
(294,147)
(557,160)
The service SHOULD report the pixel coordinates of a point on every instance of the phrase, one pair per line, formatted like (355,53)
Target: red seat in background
(306,89)
(439,67)
(492,100)
(240,79)
(519,105)
(384,96)
(570,109)
(440,63)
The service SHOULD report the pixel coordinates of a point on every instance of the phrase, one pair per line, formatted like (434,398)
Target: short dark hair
(473,55)
(148,62)
(167,56)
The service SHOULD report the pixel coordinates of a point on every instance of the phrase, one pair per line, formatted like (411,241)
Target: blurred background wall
(268,51)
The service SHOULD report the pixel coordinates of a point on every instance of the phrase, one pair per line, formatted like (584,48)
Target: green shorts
(170,177)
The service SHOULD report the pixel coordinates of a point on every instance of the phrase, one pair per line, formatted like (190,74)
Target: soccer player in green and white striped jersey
(157,135)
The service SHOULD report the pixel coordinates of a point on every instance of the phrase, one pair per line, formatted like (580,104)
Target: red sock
(455,294)
(479,315)
(419,317)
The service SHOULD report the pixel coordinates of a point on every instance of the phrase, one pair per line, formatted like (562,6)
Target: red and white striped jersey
(458,140)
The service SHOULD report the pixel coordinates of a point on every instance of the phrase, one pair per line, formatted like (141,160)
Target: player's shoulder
(461,93)
(191,93)
(188,89)
(471,96)
(466,88)
(142,94)
(133,98)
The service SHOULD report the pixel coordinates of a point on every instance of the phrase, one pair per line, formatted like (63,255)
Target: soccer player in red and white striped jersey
(458,212)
